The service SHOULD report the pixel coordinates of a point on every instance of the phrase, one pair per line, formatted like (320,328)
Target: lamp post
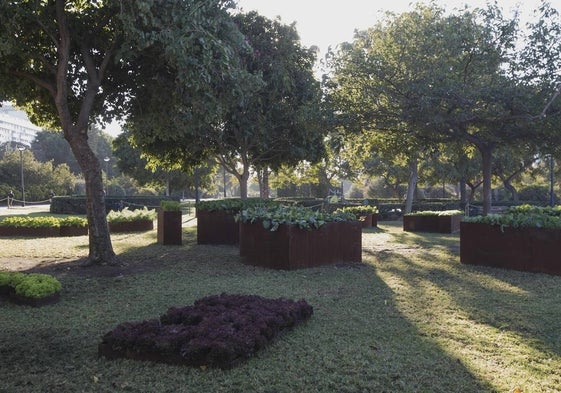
(21,149)
(106,159)
(551,181)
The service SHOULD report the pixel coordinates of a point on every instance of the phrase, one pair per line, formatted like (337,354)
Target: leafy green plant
(523,216)
(359,210)
(170,206)
(31,222)
(443,213)
(127,215)
(274,216)
(11,279)
(73,221)
(37,285)
(234,205)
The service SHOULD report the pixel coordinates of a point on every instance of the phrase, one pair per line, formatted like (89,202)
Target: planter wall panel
(291,248)
(131,226)
(527,249)
(170,228)
(437,224)
(217,227)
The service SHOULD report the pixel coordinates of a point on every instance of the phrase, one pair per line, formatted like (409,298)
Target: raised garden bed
(32,289)
(170,230)
(216,222)
(217,227)
(290,247)
(30,231)
(217,331)
(292,238)
(528,249)
(439,222)
(131,226)
(366,214)
(126,220)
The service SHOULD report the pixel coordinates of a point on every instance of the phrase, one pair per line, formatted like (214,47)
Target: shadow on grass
(525,304)
(357,340)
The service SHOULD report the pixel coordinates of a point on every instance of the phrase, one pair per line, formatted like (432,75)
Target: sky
(329,22)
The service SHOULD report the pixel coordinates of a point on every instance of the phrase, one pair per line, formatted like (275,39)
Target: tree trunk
(100,247)
(264,190)
(513,192)
(75,128)
(413,177)
(463,193)
(487,159)
(243,178)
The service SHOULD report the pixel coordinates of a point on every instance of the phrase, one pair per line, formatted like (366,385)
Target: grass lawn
(410,318)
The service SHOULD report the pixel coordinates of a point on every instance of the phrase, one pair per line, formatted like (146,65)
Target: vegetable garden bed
(437,222)
(291,247)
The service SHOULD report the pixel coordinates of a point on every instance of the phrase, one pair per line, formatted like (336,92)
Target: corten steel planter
(170,229)
(365,220)
(217,227)
(438,224)
(30,231)
(131,226)
(290,247)
(535,250)
(73,230)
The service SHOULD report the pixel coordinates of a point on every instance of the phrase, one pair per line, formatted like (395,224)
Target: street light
(106,159)
(21,149)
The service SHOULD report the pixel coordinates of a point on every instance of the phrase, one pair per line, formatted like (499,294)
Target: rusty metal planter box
(535,250)
(170,229)
(290,247)
(438,224)
(131,226)
(217,227)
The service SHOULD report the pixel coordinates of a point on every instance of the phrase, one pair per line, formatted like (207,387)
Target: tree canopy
(432,78)
(265,115)
(70,62)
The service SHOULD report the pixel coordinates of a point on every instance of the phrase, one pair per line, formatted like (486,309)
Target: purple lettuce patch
(217,331)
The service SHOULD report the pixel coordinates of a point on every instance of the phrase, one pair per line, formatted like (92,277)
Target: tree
(131,161)
(271,121)
(70,62)
(436,79)
(41,178)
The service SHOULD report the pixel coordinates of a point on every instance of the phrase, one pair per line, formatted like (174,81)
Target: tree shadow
(525,304)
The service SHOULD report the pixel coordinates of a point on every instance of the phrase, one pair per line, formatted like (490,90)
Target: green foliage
(273,216)
(443,213)
(11,279)
(40,177)
(358,210)
(523,216)
(170,206)
(233,205)
(127,215)
(35,285)
(43,221)
(73,221)
(31,222)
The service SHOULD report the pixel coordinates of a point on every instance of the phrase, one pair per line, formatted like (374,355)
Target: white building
(15,127)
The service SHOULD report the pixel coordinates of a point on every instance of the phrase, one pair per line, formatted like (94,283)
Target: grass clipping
(217,331)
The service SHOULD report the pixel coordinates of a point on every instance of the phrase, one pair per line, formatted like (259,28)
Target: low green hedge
(42,222)
(127,215)
(359,210)
(443,213)
(234,205)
